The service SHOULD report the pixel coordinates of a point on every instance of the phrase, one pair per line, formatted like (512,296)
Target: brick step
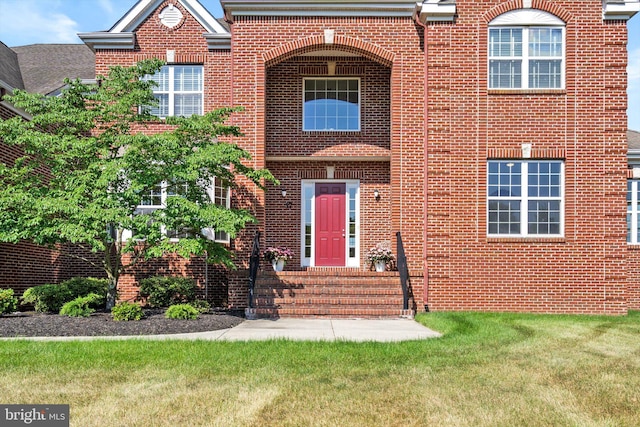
(329,281)
(331,312)
(330,301)
(327,291)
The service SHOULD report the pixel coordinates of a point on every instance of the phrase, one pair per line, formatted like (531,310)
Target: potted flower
(380,256)
(278,256)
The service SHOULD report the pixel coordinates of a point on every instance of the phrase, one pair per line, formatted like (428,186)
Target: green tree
(90,161)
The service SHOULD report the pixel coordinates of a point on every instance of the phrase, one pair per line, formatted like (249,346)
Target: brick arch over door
(544,5)
(317,42)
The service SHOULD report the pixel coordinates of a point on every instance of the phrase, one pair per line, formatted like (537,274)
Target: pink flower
(277,253)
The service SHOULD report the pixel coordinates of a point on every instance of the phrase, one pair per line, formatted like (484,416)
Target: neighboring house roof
(45,66)
(10,75)
(633,138)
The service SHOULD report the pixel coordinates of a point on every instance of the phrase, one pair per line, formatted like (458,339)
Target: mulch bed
(31,324)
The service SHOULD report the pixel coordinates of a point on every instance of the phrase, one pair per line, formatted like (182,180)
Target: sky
(24,22)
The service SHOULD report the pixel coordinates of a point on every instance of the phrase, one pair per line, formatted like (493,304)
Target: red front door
(330,224)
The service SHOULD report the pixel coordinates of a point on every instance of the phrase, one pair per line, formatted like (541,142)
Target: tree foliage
(90,158)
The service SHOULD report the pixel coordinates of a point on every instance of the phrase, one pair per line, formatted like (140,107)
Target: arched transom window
(526,50)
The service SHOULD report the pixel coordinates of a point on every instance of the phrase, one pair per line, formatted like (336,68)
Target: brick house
(489,135)
(39,68)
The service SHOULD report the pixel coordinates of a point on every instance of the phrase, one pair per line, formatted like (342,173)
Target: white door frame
(307,218)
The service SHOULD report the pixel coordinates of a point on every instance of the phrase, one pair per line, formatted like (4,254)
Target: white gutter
(435,11)
(327,8)
(620,10)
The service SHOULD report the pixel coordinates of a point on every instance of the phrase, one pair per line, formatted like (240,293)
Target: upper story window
(179,91)
(526,51)
(331,104)
(633,210)
(525,198)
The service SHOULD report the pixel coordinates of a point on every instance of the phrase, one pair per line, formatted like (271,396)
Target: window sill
(526,240)
(633,246)
(330,132)
(527,91)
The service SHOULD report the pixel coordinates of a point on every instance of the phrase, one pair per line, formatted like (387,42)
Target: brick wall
(267,76)
(585,125)
(450,139)
(284,134)
(633,278)
(190,47)
(282,223)
(211,281)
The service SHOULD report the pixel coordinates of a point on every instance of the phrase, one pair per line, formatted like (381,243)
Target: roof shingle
(10,68)
(45,66)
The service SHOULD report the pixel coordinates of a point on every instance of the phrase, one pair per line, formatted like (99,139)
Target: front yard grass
(487,370)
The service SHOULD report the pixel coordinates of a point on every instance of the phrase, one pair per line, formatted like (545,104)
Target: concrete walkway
(360,330)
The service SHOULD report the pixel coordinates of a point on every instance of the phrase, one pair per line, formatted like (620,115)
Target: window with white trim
(179,92)
(525,198)
(331,104)
(157,197)
(526,51)
(633,208)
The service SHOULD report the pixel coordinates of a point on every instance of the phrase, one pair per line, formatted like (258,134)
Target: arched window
(526,50)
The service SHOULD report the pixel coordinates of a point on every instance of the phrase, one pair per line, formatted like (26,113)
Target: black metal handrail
(254,264)
(403,269)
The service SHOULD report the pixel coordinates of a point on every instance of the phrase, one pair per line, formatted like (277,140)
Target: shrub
(8,303)
(51,298)
(45,298)
(166,291)
(80,307)
(125,311)
(182,311)
(201,305)
(82,286)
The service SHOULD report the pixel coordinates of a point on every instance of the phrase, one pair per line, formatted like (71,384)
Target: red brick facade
(429,125)
(584,124)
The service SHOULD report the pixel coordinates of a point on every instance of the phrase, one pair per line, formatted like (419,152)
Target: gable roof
(122,34)
(45,66)
(10,76)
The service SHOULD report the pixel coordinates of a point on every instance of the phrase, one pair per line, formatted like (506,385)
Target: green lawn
(487,370)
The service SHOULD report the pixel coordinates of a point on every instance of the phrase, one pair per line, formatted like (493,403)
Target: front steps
(328,292)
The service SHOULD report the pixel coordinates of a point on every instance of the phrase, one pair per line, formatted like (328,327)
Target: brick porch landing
(328,292)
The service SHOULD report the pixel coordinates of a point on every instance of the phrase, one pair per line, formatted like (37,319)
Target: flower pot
(380,266)
(278,265)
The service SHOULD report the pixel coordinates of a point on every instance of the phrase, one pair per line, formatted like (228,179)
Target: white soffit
(527,17)
(388,8)
(435,11)
(620,10)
